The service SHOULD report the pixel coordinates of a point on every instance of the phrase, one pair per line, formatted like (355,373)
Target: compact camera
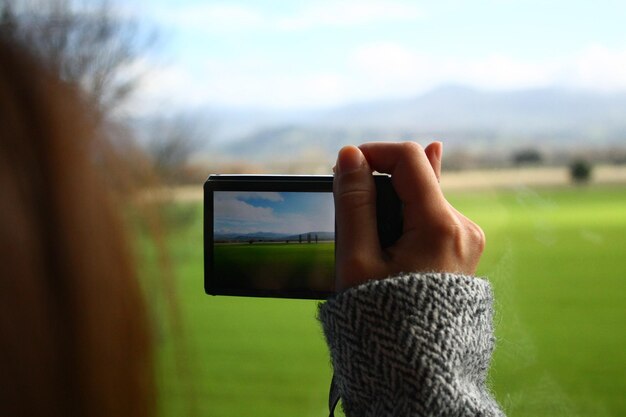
(274,235)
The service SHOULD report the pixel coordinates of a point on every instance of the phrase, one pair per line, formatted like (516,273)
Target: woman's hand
(436,237)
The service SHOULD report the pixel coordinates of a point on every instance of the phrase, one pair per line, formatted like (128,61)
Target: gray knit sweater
(412,345)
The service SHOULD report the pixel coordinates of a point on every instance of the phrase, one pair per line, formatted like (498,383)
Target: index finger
(412,176)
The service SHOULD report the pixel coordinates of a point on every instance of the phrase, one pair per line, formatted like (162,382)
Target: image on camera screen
(276,241)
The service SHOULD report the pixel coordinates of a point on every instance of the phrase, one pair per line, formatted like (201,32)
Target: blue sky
(307,54)
(275,212)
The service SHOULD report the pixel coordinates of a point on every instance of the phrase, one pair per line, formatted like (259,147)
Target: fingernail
(350,159)
(440,150)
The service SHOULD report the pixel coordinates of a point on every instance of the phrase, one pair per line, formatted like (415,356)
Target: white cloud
(500,72)
(246,82)
(388,69)
(228,207)
(212,17)
(598,67)
(393,69)
(228,17)
(371,71)
(387,58)
(350,13)
(234,215)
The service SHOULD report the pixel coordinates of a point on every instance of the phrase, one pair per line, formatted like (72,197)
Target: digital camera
(274,235)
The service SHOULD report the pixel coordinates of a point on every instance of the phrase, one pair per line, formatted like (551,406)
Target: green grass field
(275,266)
(556,258)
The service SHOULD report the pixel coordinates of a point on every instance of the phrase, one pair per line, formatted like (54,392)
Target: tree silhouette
(580,171)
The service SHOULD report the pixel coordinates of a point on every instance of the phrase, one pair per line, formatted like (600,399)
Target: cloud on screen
(252,212)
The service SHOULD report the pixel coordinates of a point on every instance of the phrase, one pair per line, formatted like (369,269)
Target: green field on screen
(275,266)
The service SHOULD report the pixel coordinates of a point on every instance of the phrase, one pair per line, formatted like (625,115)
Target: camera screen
(274,241)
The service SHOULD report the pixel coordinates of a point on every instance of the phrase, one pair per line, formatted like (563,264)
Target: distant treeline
(303,238)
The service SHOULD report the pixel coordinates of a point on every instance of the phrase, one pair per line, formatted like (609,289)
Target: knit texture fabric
(412,345)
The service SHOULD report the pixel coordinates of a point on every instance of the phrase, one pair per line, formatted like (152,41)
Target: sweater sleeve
(412,345)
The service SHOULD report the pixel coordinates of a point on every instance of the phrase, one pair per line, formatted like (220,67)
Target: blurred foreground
(554,256)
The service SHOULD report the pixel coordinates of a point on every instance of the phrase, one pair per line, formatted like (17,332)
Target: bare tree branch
(172,142)
(90,46)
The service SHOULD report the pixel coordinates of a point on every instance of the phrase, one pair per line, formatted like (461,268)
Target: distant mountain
(456,107)
(461,116)
(248,236)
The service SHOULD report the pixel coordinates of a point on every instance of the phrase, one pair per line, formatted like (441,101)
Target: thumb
(355,215)
(434,152)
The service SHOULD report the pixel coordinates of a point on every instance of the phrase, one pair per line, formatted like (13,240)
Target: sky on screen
(273,212)
(307,54)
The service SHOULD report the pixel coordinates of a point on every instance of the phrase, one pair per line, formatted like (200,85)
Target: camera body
(274,235)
